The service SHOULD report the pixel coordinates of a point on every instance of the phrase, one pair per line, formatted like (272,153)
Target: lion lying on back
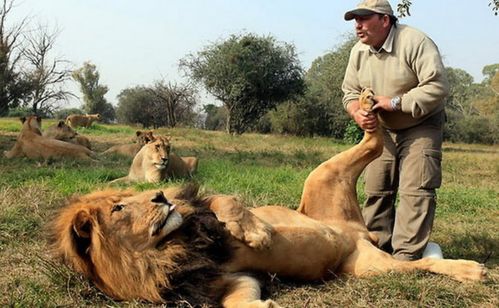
(61,131)
(32,144)
(176,246)
(75,120)
(155,163)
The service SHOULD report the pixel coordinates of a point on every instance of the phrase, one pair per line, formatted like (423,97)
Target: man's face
(372,29)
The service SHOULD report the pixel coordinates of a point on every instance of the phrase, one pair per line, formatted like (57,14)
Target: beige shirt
(407,65)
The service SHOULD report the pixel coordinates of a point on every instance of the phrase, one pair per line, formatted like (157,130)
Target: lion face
(144,137)
(141,221)
(136,222)
(61,131)
(158,152)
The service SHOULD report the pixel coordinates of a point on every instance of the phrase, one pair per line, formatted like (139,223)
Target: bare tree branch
(47,74)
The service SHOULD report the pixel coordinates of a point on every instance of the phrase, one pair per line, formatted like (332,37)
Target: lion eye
(117,207)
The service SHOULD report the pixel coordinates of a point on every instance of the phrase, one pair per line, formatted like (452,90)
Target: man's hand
(366,120)
(383,103)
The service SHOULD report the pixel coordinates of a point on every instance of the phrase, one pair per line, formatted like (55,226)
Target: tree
(134,106)
(494,83)
(495,6)
(324,94)
(404,6)
(490,71)
(173,103)
(164,104)
(47,75)
(13,87)
(249,74)
(215,117)
(472,114)
(461,91)
(93,92)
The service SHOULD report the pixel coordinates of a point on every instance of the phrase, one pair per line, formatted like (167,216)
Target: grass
(261,169)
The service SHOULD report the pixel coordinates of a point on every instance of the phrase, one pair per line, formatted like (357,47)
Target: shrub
(63,113)
(353,133)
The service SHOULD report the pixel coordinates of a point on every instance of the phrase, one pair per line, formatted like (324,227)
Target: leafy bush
(471,129)
(19,112)
(353,133)
(63,113)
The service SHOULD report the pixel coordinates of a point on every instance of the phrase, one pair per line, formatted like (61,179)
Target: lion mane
(32,144)
(182,267)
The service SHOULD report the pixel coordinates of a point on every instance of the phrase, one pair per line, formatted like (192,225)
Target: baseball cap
(369,7)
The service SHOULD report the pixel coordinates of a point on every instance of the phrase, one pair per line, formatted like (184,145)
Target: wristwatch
(396,103)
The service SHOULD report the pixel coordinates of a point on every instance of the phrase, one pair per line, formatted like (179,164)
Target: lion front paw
(260,236)
(251,230)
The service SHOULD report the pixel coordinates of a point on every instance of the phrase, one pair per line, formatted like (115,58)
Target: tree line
(258,81)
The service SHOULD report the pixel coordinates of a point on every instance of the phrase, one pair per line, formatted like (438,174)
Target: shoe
(433,251)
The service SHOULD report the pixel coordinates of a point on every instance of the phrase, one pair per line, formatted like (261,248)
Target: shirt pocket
(431,173)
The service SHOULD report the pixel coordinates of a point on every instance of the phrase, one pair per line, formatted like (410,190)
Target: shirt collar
(387,45)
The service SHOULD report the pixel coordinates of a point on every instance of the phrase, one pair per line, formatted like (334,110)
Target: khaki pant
(411,165)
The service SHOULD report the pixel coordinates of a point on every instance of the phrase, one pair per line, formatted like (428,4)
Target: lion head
(32,124)
(141,245)
(157,152)
(60,131)
(95,116)
(144,137)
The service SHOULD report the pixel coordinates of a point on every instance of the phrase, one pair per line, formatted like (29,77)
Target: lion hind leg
(368,260)
(329,192)
(244,292)
(240,222)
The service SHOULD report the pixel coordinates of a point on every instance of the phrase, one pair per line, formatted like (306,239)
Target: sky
(139,42)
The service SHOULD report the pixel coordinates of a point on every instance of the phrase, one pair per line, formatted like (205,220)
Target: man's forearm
(352,108)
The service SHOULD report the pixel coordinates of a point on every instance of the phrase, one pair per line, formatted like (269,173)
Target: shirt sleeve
(351,86)
(432,86)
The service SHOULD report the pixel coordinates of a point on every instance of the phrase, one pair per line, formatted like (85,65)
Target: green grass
(261,169)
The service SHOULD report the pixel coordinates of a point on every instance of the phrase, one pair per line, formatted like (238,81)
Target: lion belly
(301,247)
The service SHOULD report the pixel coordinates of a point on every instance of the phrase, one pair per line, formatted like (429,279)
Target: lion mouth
(169,221)
(161,165)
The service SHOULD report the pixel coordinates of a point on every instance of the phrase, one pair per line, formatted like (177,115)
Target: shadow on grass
(480,247)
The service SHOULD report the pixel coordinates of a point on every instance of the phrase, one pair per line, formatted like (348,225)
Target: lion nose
(159,197)
(164,160)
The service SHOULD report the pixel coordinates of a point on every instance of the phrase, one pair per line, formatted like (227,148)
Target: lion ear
(60,124)
(138,133)
(22,119)
(82,224)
